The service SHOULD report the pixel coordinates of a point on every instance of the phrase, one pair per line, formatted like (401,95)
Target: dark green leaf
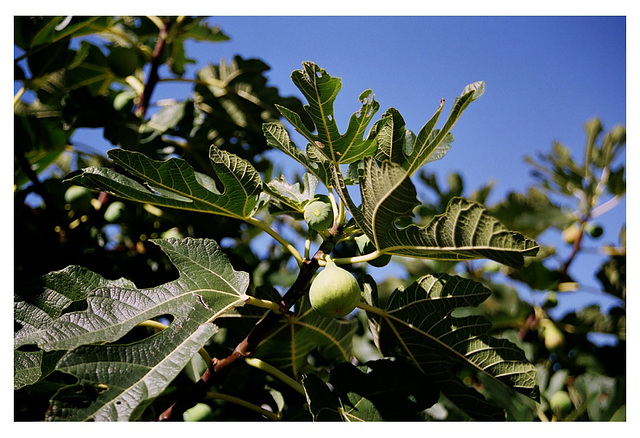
(321,89)
(613,276)
(278,137)
(418,324)
(464,231)
(412,152)
(116,382)
(304,332)
(174,183)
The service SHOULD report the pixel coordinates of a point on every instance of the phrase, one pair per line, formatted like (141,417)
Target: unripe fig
(319,215)
(560,403)
(334,292)
(570,234)
(366,246)
(595,230)
(115,211)
(553,336)
(123,61)
(200,412)
(77,193)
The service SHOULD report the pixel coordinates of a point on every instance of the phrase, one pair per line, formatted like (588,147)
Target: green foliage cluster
(163,322)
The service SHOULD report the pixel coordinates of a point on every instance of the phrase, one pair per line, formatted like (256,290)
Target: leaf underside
(117,381)
(464,231)
(418,325)
(174,183)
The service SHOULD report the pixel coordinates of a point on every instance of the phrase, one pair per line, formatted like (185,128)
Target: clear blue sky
(545,77)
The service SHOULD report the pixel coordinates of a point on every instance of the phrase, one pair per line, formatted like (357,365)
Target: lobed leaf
(304,332)
(287,198)
(464,231)
(379,390)
(278,137)
(174,183)
(321,89)
(418,324)
(400,146)
(116,382)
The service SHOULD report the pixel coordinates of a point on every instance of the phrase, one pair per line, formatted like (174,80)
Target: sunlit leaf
(116,381)
(289,198)
(411,152)
(174,183)
(321,89)
(464,231)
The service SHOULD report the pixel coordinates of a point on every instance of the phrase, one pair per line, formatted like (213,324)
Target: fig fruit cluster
(334,292)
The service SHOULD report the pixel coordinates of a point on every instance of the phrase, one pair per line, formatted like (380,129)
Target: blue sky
(545,77)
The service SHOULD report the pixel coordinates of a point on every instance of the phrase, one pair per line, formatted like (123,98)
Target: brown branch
(152,80)
(249,344)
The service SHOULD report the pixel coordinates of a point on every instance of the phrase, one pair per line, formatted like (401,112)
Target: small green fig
(77,193)
(366,246)
(123,61)
(595,230)
(115,211)
(553,336)
(560,403)
(319,215)
(570,234)
(200,412)
(334,292)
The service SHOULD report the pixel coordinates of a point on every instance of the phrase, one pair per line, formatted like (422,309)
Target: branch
(152,80)
(260,331)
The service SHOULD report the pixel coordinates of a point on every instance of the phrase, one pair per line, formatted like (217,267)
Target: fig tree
(318,214)
(334,292)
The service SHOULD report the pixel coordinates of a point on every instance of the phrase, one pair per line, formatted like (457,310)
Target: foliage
(188,327)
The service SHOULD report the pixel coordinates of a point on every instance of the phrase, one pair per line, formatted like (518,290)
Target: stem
(357,259)
(152,80)
(275,372)
(18,96)
(605,206)
(334,207)
(294,252)
(307,247)
(367,308)
(135,83)
(244,403)
(265,304)
(259,332)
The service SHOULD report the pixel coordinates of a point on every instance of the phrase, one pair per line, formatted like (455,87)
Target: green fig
(200,412)
(334,292)
(560,403)
(115,211)
(318,215)
(124,61)
(570,234)
(595,230)
(77,193)
(553,336)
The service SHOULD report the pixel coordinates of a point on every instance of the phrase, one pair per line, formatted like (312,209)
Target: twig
(152,80)
(259,332)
